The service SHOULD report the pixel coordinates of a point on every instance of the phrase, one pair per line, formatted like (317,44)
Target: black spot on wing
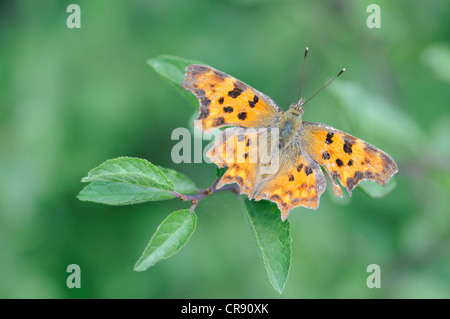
(220,100)
(242,115)
(299,168)
(329,140)
(235,92)
(228,109)
(326,155)
(219,121)
(308,170)
(339,162)
(348,146)
(255,100)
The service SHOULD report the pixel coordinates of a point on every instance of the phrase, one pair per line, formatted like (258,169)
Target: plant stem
(202,193)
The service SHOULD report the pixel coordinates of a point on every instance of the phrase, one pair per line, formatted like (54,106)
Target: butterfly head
(297,108)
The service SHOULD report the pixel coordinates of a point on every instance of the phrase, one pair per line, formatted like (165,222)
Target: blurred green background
(73,98)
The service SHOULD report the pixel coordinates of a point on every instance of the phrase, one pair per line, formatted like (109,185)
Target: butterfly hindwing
(347,158)
(237,148)
(226,101)
(299,182)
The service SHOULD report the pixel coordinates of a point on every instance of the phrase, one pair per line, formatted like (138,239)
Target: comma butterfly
(302,146)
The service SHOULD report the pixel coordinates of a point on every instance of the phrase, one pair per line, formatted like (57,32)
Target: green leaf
(376,190)
(127,180)
(220,171)
(182,183)
(117,193)
(273,240)
(170,236)
(130,170)
(172,69)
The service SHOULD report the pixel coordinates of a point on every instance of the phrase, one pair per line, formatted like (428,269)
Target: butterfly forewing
(347,158)
(226,101)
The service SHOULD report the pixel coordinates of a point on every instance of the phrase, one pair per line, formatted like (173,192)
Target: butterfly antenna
(340,72)
(303,69)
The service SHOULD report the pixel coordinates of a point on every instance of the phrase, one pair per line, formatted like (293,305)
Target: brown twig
(202,193)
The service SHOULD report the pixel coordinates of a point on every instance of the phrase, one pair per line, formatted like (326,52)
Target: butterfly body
(275,155)
(289,124)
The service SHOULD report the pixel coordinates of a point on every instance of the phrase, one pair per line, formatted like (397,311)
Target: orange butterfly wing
(299,182)
(347,158)
(226,101)
(237,149)
(296,181)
